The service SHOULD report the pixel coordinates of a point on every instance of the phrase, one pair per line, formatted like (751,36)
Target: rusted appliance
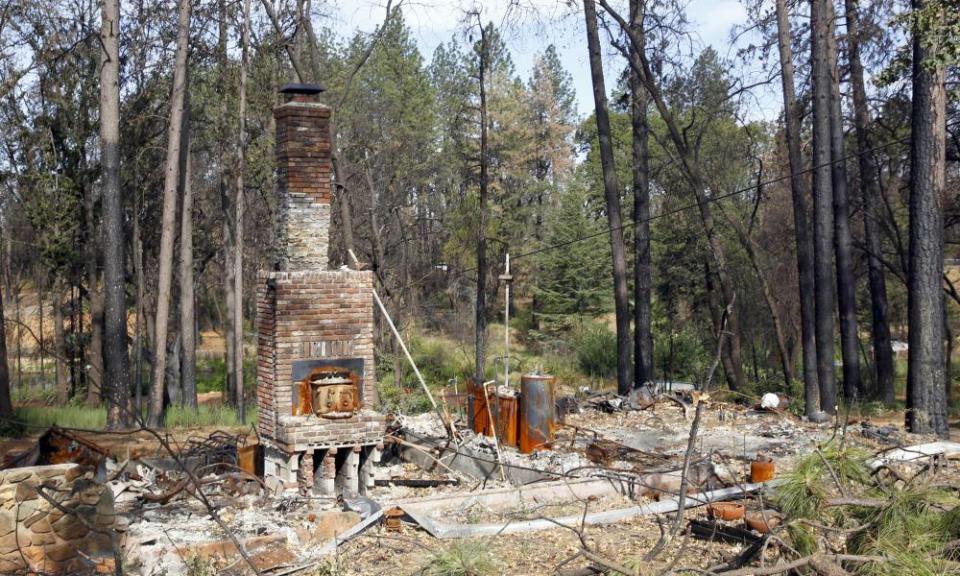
(507,409)
(479,416)
(537,411)
(330,392)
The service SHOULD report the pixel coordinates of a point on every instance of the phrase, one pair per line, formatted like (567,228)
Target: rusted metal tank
(537,411)
(508,406)
(479,417)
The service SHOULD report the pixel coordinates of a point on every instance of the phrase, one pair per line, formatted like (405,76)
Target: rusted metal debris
(218,446)
(59,446)
(537,411)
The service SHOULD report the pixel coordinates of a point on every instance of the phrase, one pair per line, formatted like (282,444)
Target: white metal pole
(506,325)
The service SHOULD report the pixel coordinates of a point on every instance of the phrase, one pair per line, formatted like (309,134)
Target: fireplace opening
(330,392)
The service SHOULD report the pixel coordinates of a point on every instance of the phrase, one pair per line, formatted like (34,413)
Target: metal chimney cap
(295,88)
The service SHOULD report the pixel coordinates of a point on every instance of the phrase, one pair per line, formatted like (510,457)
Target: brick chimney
(316,376)
(303,179)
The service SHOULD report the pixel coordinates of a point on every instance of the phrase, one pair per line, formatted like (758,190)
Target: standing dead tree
(167,234)
(116,369)
(612,197)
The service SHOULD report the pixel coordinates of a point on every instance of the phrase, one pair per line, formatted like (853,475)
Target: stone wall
(38,537)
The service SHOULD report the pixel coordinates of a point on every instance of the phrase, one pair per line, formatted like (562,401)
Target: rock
(17,476)
(333,523)
(34,518)
(42,539)
(72,473)
(26,491)
(9,543)
(61,552)
(46,472)
(42,527)
(105,504)
(70,528)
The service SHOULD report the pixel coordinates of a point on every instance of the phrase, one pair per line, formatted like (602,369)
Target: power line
(690,206)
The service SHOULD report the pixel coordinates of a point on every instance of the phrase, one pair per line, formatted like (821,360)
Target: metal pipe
(506,323)
(493,428)
(396,333)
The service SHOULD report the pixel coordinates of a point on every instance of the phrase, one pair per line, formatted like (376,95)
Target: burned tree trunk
(693,172)
(643,334)
(799,190)
(168,222)
(60,344)
(481,303)
(239,207)
(6,405)
(843,241)
(926,399)
(612,196)
(230,376)
(116,367)
(823,226)
(188,342)
(870,191)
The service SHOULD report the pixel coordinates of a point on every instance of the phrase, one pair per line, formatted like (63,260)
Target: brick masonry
(303,184)
(310,315)
(306,312)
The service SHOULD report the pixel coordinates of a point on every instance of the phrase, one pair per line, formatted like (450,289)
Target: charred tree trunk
(60,345)
(229,387)
(188,342)
(926,401)
(141,319)
(480,311)
(643,334)
(799,190)
(239,206)
(116,367)
(843,241)
(6,405)
(731,349)
(612,196)
(169,218)
(870,191)
(823,225)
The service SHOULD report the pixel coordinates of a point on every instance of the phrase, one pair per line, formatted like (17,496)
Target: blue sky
(534,24)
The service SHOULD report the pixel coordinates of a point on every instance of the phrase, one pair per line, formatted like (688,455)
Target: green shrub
(211,374)
(404,400)
(597,352)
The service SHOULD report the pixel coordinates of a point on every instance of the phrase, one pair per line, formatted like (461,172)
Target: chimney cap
(295,88)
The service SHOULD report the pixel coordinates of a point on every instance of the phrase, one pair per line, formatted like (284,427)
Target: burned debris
(667,476)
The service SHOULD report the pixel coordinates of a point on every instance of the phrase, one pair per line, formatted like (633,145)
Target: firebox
(316,382)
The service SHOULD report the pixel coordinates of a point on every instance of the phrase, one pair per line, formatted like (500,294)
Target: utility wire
(686,207)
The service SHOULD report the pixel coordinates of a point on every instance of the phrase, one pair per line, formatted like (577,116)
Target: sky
(534,24)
